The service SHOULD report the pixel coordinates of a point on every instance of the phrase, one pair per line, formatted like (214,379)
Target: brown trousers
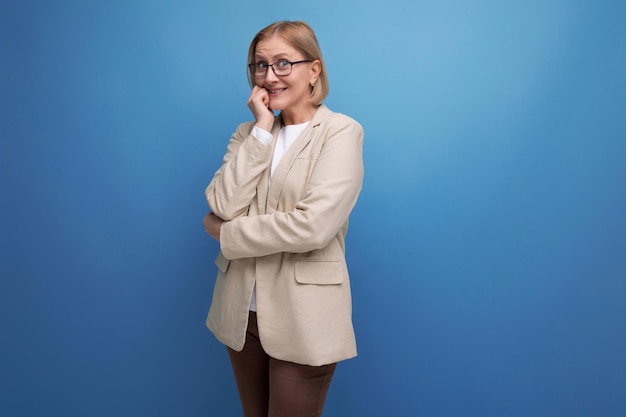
(270,387)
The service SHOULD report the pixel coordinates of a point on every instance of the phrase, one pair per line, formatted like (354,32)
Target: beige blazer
(287,236)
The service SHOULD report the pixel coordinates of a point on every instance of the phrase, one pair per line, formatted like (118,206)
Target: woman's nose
(270,74)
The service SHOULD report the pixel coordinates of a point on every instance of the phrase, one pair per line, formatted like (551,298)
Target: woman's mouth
(275,91)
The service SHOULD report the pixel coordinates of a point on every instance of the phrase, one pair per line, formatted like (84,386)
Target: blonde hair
(300,36)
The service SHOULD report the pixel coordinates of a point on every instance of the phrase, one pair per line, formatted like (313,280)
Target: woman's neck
(298,117)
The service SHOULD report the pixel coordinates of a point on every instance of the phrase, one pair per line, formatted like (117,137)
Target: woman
(279,208)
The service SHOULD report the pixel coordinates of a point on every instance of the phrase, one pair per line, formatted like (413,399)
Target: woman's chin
(275,106)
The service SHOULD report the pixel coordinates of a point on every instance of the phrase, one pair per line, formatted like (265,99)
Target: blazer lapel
(290,156)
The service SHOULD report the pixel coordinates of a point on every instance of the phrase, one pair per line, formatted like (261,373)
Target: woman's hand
(213,225)
(259,104)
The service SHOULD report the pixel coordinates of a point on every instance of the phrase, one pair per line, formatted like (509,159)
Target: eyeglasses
(281,67)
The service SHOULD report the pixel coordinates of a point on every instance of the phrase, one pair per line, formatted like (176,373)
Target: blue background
(487,250)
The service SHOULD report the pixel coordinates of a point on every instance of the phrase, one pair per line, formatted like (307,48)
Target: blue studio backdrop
(487,250)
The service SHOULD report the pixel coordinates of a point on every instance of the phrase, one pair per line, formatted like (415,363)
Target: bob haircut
(301,37)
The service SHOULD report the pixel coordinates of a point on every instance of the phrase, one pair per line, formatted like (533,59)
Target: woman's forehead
(274,46)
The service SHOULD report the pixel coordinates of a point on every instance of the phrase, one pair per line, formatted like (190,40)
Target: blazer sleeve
(330,195)
(233,186)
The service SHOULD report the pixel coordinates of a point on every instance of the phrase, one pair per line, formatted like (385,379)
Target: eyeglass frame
(252,67)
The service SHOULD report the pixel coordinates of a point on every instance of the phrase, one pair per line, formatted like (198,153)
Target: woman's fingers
(259,102)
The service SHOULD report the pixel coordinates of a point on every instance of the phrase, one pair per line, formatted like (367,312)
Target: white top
(286,137)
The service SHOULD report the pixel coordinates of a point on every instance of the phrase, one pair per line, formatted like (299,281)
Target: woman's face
(289,93)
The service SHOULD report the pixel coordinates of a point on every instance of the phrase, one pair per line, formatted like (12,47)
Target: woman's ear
(316,69)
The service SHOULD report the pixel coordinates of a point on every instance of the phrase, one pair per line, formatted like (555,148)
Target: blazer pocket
(319,272)
(309,155)
(221,262)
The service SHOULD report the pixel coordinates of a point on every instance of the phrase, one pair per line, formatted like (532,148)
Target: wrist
(265,125)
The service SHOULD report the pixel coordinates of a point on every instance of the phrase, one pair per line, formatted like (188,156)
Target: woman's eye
(283,63)
(261,65)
